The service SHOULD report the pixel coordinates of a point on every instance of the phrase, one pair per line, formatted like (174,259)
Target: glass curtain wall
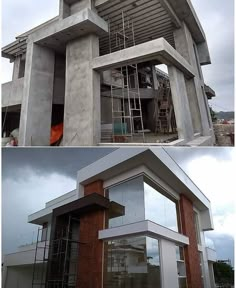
(142,201)
(133,263)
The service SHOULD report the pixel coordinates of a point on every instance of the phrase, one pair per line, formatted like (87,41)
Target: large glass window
(132,263)
(159,208)
(130,195)
(142,201)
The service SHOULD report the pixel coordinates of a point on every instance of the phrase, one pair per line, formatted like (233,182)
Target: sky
(216,16)
(31,177)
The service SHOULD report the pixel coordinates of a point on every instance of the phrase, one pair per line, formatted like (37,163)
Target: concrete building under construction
(93,76)
(135,220)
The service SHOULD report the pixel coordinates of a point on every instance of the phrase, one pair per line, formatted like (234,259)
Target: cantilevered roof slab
(158,50)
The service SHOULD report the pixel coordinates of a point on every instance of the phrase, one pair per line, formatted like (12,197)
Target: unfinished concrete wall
(35,124)
(80,5)
(68,7)
(12,92)
(82,121)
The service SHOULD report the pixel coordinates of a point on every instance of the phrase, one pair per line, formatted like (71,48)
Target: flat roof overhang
(12,50)
(158,50)
(57,36)
(83,205)
(143,228)
(77,208)
(19,46)
(152,19)
(158,162)
(58,33)
(209,92)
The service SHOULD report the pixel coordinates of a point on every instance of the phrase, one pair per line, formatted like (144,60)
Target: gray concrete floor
(149,138)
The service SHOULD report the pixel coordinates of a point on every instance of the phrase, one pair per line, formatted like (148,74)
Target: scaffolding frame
(164,116)
(42,247)
(61,255)
(127,115)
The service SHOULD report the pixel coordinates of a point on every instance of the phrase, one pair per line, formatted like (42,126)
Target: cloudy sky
(216,16)
(31,177)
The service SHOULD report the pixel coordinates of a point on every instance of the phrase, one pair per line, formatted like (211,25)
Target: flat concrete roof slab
(159,50)
(77,25)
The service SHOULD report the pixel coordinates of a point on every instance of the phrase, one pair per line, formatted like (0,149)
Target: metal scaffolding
(164,115)
(127,118)
(59,259)
(40,259)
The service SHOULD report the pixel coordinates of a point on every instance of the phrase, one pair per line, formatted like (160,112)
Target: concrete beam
(159,50)
(171,12)
(77,25)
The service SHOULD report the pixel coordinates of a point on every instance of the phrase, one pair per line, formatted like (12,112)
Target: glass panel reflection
(133,263)
(159,208)
(140,201)
(130,195)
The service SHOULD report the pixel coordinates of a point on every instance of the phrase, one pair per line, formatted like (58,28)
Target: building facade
(135,220)
(90,76)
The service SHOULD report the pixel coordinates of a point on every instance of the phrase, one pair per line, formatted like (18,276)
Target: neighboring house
(135,220)
(71,76)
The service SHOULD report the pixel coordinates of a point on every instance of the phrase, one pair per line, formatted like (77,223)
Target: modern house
(92,76)
(135,220)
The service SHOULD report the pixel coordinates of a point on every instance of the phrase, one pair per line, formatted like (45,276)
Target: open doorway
(136,105)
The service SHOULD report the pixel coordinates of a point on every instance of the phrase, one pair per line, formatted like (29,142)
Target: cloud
(43,161)
(220,36)
(24,196)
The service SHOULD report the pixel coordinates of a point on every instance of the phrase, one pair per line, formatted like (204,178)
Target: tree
(224,273)
(213,115)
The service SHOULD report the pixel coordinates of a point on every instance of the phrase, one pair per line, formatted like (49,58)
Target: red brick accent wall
(192,258)
(91,252)
(94,187)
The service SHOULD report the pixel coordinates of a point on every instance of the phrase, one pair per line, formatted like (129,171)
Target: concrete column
(154,76)
(187,48)
(16,68)
(181,104)
(168,261)
(184,45)
(82,119)
(35,122)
